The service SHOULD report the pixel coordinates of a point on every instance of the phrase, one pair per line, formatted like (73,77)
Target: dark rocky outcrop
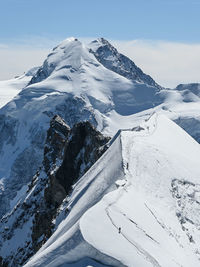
(56,138)
(85,147)
(82,149)
(68,154)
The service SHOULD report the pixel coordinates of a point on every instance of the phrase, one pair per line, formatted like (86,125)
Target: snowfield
(156,229)
(9,89)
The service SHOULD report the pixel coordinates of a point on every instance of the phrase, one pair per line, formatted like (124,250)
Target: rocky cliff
(68,154)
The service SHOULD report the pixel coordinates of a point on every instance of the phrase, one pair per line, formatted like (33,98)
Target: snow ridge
(113,208)
(132,203)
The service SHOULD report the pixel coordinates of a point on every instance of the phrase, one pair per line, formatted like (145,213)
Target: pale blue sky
(171,20)
(160,36)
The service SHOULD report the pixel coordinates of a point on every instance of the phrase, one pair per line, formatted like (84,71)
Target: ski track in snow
(112,207)
(141,251)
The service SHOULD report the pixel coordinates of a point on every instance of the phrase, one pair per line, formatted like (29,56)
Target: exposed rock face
(68,154)
(56,138)
(187,196)
(108,55)
(86,145)
(42,73)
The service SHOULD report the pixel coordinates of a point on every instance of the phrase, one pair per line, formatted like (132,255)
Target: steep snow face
(113,60)
(181,104)
(157,229)
(68,154)
(141,210)
(68,240)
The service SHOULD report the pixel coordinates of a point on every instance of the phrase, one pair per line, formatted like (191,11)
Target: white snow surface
(142,222)
(9,89)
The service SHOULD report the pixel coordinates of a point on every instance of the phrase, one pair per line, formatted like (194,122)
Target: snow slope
(151,191)
(82,82)
(9,89)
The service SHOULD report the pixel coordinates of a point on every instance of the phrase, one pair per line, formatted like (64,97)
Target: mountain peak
(67,54)
(108,56)
(71,53)
(101,40)
(66,42)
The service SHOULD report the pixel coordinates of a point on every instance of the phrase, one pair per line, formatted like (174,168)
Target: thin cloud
(16,61)
(168,63)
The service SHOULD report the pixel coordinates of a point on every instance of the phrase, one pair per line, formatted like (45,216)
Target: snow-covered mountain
(141,210)
(93,83)
(75,85)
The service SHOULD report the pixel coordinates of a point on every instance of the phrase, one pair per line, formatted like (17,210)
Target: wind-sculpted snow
(138,204)
(154,229)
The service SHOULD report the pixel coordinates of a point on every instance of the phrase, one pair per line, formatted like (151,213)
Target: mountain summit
(72,53)
(108,55)
(69,54)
